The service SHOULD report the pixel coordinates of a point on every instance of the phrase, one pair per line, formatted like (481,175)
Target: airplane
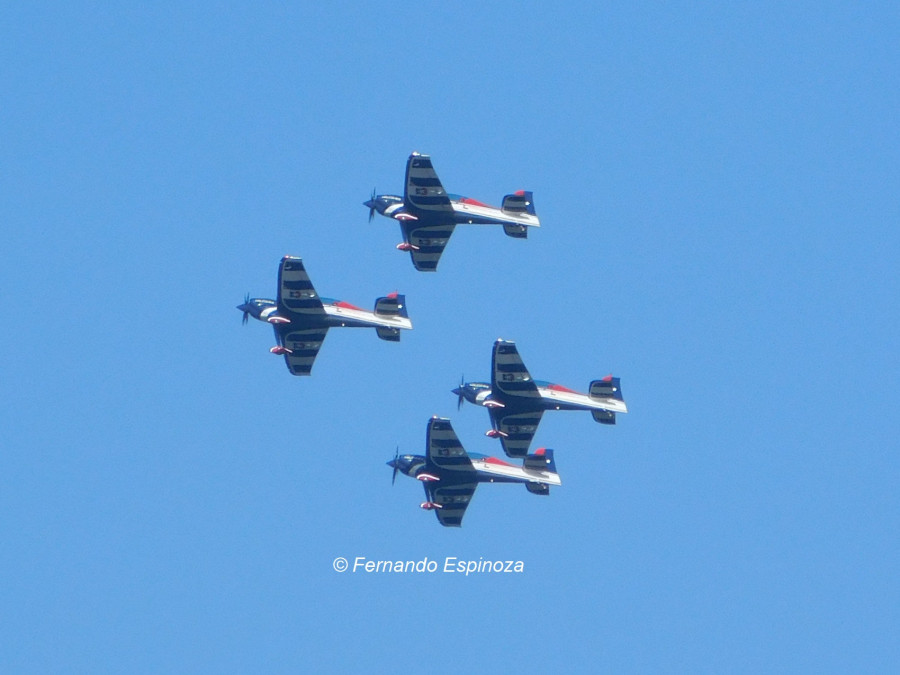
(301,318)
(450,475)
(428,215)
(516,402)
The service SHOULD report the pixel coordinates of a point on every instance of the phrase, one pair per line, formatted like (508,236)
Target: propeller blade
(372,208)
(462,383)
(246,313)
(396,466)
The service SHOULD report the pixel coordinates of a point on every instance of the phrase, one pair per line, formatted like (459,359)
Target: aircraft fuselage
(550,397)
(466,211)
(486,470)
(336,313)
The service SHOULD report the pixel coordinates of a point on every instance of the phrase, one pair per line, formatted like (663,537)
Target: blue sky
(718,188)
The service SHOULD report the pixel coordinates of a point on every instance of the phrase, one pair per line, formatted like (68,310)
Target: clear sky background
(718,188)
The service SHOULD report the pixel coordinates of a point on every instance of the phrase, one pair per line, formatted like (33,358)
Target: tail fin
(520,202)
(392,305)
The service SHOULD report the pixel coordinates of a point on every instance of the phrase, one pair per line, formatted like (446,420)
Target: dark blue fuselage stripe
(431,234)
(450,462)
(309,303)
(520,421)
(305,337)
(455,491)
(517,386)
(423,200)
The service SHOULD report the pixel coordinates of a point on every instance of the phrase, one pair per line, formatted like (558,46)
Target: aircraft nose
(369,204)
(392,463)
(458,391)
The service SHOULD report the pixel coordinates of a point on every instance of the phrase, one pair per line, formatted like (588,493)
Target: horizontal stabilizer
(520,202)
(389,334)
(608,387)
(604,416)
(541,460)
(516,231)
(607,394)
(392,305)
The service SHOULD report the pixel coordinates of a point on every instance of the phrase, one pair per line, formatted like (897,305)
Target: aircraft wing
(509,375)
(447,458)
(453,500)
(302,345)
(295,291)
(423,191)
(444,450)
(429,242)
(516,429)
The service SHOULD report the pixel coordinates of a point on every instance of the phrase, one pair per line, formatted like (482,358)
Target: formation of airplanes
(515,401)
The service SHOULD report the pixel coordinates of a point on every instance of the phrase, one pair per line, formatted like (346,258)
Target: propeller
(372,205)
(396,465)
(246,313)
(459,392)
